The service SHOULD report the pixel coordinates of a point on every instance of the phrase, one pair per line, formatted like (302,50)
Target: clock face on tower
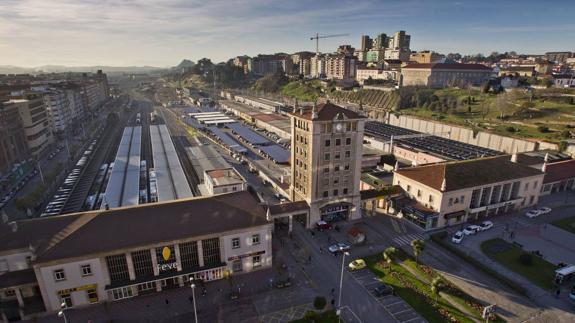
(339,127)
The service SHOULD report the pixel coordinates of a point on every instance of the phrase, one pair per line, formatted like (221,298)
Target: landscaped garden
(567,224)
(532,267)
(432,296)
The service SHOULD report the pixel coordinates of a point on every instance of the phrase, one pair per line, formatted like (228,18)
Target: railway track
(180,138)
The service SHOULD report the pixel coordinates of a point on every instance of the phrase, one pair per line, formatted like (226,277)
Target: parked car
(486,225)
(357,264)
(383,290)
(471,229)
(532,213)
(457,237)
(283,283)
(339,247)
(322,226)
(544,210)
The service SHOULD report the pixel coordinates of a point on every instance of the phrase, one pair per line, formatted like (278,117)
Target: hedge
(439,238)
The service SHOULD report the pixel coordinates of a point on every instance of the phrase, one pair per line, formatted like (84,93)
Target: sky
(163,32)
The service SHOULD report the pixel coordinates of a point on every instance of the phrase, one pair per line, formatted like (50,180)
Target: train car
(153,117)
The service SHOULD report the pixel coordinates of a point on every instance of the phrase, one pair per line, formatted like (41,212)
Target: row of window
(236,243)
(336,155)
(349,126)
(337,142)
(335,192)
(336,168)
(60,274)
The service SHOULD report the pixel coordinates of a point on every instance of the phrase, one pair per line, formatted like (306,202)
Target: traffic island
(436,302)
(513,257)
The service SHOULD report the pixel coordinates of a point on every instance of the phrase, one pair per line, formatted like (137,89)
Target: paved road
(325,270)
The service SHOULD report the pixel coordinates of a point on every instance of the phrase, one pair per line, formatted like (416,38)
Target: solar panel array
(248,135)
(124,183)
(227,140)
(447,148)
(276,153)
(171,180)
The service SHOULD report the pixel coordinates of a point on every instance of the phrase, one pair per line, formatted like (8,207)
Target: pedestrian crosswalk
(406,239)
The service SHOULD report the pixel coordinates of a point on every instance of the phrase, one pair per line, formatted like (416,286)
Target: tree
(503,105)
(319,302)
(436,286)
(484,107)
(417,246)
(389,255)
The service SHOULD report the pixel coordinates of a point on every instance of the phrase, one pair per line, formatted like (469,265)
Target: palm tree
(389,255)
(418,246)
(436,286)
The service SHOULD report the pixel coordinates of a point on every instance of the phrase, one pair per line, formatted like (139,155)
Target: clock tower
(326,151)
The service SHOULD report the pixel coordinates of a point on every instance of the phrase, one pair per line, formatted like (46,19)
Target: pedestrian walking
(332,291)
(167,302)
(333,302)
(320,250)
(557,292)
(191,298)
(309,259)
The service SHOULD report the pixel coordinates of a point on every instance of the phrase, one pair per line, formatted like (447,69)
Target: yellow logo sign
(166,253)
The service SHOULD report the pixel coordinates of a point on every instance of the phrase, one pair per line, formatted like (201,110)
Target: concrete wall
(479,138)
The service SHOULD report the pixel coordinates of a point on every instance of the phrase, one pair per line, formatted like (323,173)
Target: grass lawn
(540,272)
(416,293)
(325,317)
(567,224)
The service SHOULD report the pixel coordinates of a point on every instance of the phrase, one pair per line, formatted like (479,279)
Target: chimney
(546,159)
(443,185)
(415,163)
(544,167)
(314,111)
(396,168)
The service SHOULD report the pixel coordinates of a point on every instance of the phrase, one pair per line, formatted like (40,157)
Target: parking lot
(394,305)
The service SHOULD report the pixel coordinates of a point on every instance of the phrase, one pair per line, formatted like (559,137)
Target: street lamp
(341,283)
(193,286)
(62,313)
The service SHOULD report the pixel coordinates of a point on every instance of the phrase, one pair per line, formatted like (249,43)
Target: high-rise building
(366,43)
(317,68)
(13,146)
(380,42)
(34,118)
(400,41)
(340,67)
(327,145)
(346,50)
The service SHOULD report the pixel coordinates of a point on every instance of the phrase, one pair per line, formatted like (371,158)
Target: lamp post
(341,285)
(62,312)
(193,286)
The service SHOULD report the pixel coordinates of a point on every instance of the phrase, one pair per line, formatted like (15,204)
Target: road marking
(395,225)
(406,239)
(407,310)
(415,318)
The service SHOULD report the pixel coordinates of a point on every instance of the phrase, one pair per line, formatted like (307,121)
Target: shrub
(566,134)
(543,129)
(526,259)
(319,302)
(311,316)
(510,129)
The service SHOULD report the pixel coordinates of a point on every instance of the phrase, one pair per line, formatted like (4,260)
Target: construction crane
(318,36)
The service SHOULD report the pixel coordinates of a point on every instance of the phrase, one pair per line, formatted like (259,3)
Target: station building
(108,255)
(444,194)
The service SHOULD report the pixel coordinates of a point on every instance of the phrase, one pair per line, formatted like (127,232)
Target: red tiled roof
(449,66)
(559,171)
(267,117)
(468,173)
(325,112)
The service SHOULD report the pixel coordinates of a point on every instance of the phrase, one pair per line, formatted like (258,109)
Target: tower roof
(326,112)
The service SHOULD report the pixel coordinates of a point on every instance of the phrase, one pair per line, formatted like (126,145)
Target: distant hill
(185,63)
(9,69)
